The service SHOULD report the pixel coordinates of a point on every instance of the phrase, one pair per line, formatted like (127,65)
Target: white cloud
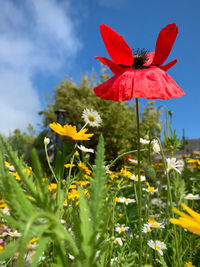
(35,37)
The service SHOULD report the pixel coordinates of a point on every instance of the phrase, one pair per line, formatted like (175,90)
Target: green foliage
(119,119)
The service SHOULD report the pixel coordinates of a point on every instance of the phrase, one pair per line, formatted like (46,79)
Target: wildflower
(13,234)
(129,159)
(151,220)
(91,117)
(156,225)
(121,228)
(118,241)
(10,167)
(189,264)
(69,165)
(144,141)
(124,200)
(125,173)
(85,149)
(139,74)
(146,228)
(46,141)
(1,248)
(52,187)
(151,190)
(135,178)
(157,245)
(84,168)
(155,146)
(192,197)
(191,223)
(172,164)
(157,202)
(70,132)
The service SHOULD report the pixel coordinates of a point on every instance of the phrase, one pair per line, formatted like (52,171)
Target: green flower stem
(139,185)
(170,199)
(50,167)
(124,154)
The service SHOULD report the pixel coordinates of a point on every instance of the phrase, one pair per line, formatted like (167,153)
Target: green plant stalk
(50,167)
(124,154)
(170,199)
(139,185)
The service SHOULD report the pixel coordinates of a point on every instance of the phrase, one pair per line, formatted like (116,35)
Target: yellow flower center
(122,229)
(150,189)
(91,118)
(154,225)
(157,247)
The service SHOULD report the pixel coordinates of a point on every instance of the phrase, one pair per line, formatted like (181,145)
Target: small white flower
(155,146)
(14,234)
(172,164)
(144,141)
(151,190)
(6,211)
(112,260)
(46,141)
(91,117)
(85,149)
(192,197)
(135,178)
(126,200)
(157,245)
(157,202)
(71,257)
(118,241)
(156,225)
(146,228)
(134,161)
(121,228)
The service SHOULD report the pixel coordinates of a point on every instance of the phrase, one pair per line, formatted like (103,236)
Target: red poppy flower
(138,74)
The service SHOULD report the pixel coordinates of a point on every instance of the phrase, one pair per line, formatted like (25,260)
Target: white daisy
(135,178)
(157,202)
(157,245)
(146,228)
(85,149)
(151,190)
(118,241)
(91,117)
(192,197)
(172,164)
(156,225)
(144,141)
(14,234)
(125,200)
(121,228)
(155,146)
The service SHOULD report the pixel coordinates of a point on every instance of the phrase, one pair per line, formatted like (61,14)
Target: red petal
(117,48)
(149,83)
(113,67)
(169,65)
(164,43)
(150,58)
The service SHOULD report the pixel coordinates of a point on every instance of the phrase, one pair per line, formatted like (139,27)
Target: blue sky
(42,41)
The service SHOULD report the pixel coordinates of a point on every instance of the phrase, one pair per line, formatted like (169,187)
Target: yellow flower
(126,173)
(83,167)
(191,223)
(1,248)
(52,187)
(189,264)
(152,220)
(82,183)
(70,132)
(68,165)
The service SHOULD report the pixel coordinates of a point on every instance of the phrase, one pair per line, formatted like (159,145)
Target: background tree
(118,118)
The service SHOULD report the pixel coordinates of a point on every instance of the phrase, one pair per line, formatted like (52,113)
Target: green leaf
(86,226)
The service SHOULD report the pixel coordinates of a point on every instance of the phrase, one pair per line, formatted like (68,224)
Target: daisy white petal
(91,117)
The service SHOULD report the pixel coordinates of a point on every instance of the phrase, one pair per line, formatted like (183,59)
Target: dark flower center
(140,57)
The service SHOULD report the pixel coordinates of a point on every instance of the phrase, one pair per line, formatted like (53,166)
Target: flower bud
(46,141)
